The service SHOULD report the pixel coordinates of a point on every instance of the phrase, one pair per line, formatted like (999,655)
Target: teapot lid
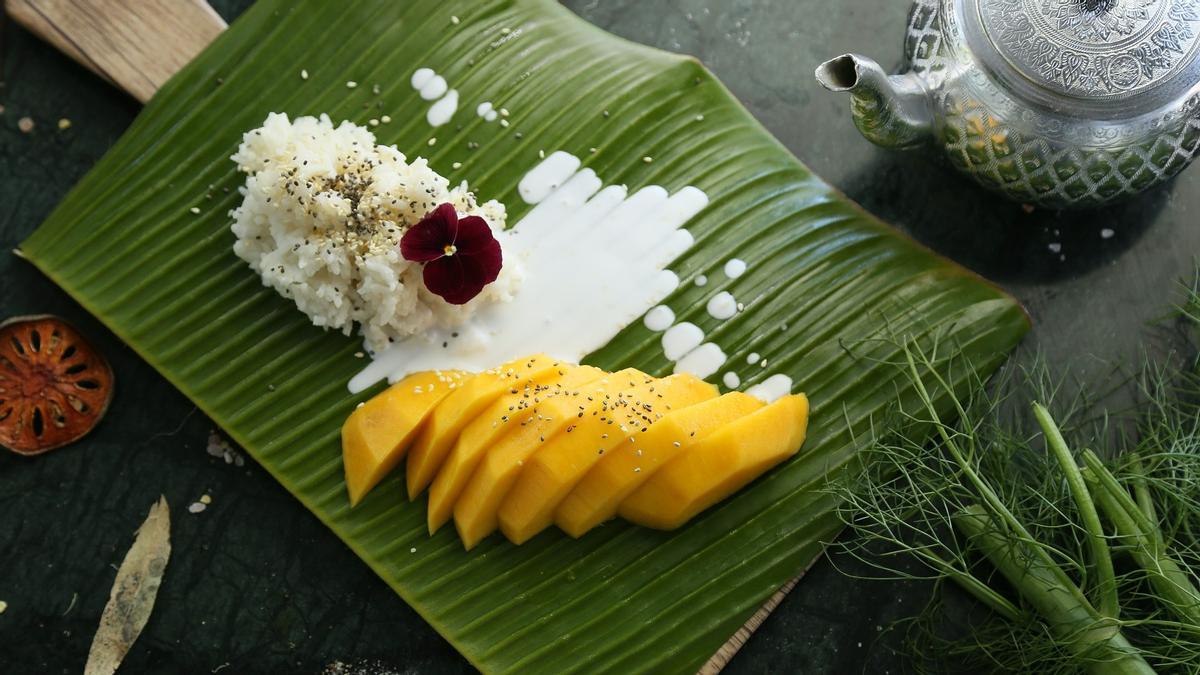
(1131,54)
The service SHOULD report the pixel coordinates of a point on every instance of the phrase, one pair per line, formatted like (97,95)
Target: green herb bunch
(1082,564)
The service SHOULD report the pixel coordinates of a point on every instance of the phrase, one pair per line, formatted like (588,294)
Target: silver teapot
(1060,103)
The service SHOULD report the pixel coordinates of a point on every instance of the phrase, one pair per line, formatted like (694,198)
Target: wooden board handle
(135,44)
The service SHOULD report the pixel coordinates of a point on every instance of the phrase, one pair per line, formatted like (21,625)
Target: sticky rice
(321,219)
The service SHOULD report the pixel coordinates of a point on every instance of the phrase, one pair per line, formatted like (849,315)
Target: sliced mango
(503,415)
(447,420)
(475,511)
(377,434)
(719,465)
(550,474)
(621,471)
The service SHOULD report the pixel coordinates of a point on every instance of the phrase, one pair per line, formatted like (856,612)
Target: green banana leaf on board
(828,291)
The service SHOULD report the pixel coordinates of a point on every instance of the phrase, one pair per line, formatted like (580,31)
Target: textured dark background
(256,584)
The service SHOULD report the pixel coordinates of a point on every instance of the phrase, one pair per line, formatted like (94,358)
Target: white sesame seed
(432,142)
(385,119)
(454,20)
(637,469)
(504,123)
(412,550)
(504,112)
(304,74)
(195,210)
(64,124)
(542,154)
(699,118)
(359,355)
(373,122)
(505,31)
(592,150)
(350,84)
(647,159)
(205,499)
(456,165)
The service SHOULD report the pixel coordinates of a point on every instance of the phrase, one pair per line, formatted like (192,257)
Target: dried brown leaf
(133,592)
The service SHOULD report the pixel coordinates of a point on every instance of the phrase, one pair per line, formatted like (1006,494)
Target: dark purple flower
(461,256)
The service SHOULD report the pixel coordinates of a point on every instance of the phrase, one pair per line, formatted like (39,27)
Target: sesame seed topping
(350,84)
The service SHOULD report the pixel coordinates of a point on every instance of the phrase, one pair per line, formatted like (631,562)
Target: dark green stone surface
(257,583)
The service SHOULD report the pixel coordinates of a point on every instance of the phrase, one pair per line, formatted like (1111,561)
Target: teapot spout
(892,111)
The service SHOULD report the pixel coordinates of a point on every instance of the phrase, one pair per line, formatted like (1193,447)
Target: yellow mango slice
(618,473)
(377,434)
(550,474)
(719,465)
(492,424)
(475,511)
(455,411)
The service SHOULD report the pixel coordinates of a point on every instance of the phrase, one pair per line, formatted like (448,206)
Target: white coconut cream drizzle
(422,77)
(702,361)
(486,111)
(443,110)
(735,268)
(681,339)
(433,87)
(772,388)
(722,306)
(593,261)
(659,319)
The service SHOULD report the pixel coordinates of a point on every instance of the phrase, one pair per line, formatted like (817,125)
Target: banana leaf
(828,288)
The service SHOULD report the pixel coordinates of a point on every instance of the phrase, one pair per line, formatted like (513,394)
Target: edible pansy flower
(461,255)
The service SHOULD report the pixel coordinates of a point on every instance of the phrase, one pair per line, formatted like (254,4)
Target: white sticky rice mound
(323,212)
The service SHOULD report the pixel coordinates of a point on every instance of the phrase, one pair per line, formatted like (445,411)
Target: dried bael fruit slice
(54,387)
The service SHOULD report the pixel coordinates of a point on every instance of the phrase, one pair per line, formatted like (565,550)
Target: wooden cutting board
(137,45)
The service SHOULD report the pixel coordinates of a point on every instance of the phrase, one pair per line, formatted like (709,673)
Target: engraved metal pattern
(1033,155)
(1094,48)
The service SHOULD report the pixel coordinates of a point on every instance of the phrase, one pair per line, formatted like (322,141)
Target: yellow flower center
(450,249)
